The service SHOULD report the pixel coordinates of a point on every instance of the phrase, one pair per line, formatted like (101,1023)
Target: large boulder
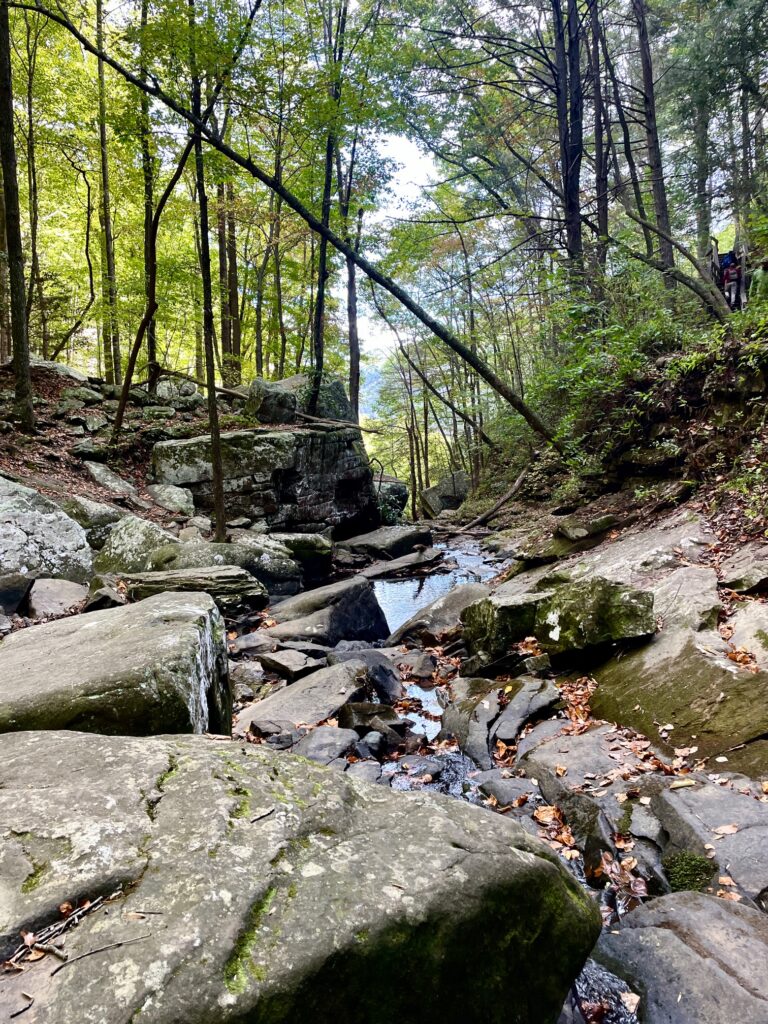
(449,493)
(746,569)
(347,610)
(388,541)
(281,401)
(693,680)
(137,545)
(38,539)
(569,616)
(95,517)
(52,598)
(693,959)
(305,479)
(229,585)
(263,887)
(156,666)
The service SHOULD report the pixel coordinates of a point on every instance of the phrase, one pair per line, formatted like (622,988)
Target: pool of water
(400,599)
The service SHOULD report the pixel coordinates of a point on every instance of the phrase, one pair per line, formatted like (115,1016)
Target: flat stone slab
(347,610)
(156,666)
(312,699)
(106,477)
(262,887)
(50,598)
(228,585)
(172,498)
(694,959)
(747,569)
(442,618)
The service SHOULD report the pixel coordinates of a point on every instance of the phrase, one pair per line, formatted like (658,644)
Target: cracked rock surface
(282,892)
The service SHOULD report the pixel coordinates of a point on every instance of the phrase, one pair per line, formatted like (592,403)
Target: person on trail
(731,275)
(758,289)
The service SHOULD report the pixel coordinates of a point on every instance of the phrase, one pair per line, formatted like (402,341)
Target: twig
(48,947)
(100,949)
(18,1013)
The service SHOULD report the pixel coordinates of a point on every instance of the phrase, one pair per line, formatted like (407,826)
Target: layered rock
(340,611)
(156,666)
(306,479)
(38,539)
(280,891)
(448,493)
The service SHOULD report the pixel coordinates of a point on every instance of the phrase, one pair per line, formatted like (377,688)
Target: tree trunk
(5,307)
(655,163)
(701,157)
(233,284)
(219,510)
(35,285)
(111,332)
(22,376)
(148,176)
(225,329)
(318,326)
(601,155)
(570,107)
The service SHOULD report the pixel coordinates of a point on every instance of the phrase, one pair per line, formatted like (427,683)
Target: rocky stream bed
(402,774)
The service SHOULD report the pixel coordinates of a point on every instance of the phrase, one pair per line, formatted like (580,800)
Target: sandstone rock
(156,666)
(747,569)
(566,617)
(288,664)
(174,499)
(131,545)
(685,678)
(229,585)
(313,552)
(308,479)
(387,541)
(442,618)
(693,958)
(265,558)
(347,610)
(381,667)
(428,895)
(50,598)
(312,699)
(105,477)
(326,743)
(280,401)
(448,493)
(38,539)
(95,517)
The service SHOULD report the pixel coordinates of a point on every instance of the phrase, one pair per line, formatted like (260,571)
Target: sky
(415,170)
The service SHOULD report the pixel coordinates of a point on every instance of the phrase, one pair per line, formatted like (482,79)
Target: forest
(204,190)
(383,511)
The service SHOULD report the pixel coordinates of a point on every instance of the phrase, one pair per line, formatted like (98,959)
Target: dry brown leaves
(576,695)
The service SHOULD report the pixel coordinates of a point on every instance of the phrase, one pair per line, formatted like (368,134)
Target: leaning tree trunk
(22,376)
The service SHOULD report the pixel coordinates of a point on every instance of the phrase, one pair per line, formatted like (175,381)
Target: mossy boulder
(566,617)
(282,891)
(156,666)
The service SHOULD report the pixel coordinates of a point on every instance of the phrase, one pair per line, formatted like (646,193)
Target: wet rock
(448,493)
(416,562)
(312,699)
(388,541)
(469,718)
(95,517)
(38,539)
(347,610)
(506,788)
(326,743)
(306,479)
(313,552)
(693,958)
(747,569)
(50,598)
(229,586)
(156,666)
(172,498)
(441,619)
(107,478)
(268,844)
